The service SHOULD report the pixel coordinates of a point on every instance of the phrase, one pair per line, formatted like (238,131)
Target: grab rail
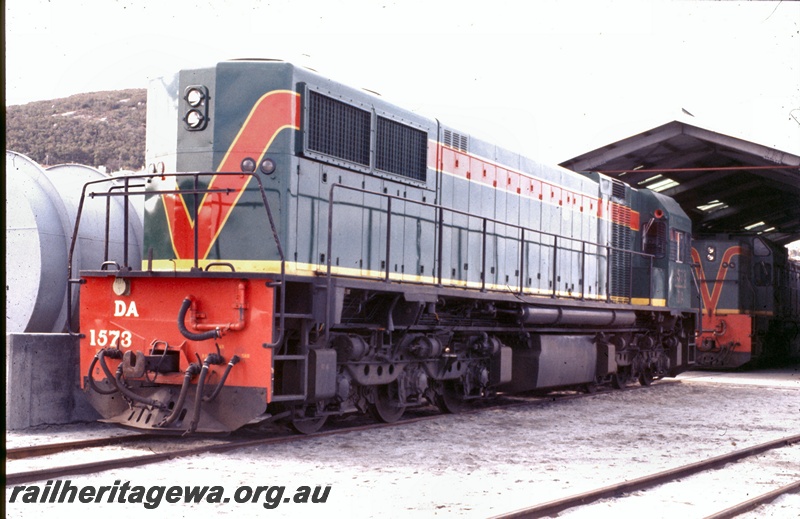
(439,211)
(127,190)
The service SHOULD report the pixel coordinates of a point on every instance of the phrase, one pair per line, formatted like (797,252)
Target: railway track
(619,490)
(752,504)
(33,451)
(225,445)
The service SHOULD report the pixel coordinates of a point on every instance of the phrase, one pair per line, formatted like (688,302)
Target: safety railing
(146,185)
(583,248)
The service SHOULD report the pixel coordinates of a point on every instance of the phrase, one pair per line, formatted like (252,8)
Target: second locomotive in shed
(750,294)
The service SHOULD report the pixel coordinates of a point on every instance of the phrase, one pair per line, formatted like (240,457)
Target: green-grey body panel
(564,214)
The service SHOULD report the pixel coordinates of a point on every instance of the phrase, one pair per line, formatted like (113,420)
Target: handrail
(126,191)
(126,186)
(439,224)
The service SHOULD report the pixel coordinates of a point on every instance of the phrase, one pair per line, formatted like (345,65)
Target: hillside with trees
(99,129)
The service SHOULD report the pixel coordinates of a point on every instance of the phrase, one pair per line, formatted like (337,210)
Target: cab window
(679,246)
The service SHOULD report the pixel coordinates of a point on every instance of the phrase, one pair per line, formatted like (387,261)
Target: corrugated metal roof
(724,184)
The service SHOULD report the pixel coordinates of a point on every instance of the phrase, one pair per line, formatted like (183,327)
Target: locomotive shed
(725,184)
(744,202)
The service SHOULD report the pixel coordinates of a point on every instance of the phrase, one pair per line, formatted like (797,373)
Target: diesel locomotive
(750,300)
(312,250)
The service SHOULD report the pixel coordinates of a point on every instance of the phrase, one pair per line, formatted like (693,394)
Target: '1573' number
(111,338)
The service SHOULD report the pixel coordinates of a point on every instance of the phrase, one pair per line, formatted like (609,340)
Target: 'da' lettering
(123,310)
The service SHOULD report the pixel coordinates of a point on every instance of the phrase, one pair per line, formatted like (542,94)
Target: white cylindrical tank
(37,226)
(41,209)
(89,250)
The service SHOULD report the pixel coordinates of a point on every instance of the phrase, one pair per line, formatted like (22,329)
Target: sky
(549,79)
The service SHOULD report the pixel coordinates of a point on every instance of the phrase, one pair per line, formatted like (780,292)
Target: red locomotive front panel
(726,337)
(177,353)
(730,334)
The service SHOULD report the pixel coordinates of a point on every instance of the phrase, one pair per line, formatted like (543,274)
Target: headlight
(197,102)
(194,96)
(121,287)
(194,119)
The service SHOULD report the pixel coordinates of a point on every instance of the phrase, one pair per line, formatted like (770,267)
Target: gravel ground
(499,460)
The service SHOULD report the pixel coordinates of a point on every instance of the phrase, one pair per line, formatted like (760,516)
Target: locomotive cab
(666,236)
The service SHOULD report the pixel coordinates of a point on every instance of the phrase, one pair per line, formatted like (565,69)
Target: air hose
(211,334)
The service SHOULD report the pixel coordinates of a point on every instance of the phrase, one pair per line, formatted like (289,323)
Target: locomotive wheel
(646,378)
(386,408)
(308,425)
(449,399)
(619,381)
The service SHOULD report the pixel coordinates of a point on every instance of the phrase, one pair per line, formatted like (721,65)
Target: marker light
(267,166)
(248,165)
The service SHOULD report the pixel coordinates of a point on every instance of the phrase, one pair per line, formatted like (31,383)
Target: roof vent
(455,140)
(618,189)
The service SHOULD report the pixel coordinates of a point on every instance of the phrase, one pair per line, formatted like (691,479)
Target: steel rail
(551,508)
(33,451)
(757,501)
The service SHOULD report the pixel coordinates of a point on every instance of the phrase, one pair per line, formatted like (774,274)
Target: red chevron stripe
(273,112)
(711,298)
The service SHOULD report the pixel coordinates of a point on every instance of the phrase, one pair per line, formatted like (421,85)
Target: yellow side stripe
(315,270)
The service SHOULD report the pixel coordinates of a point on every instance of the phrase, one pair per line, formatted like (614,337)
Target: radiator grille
(401,149)
(338,129)
(621,238)
(618,189)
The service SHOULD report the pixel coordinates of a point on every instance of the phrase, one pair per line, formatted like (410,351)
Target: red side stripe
(457,163)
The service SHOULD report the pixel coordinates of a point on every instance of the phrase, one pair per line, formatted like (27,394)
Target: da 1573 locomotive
(312,250)
(750,294)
